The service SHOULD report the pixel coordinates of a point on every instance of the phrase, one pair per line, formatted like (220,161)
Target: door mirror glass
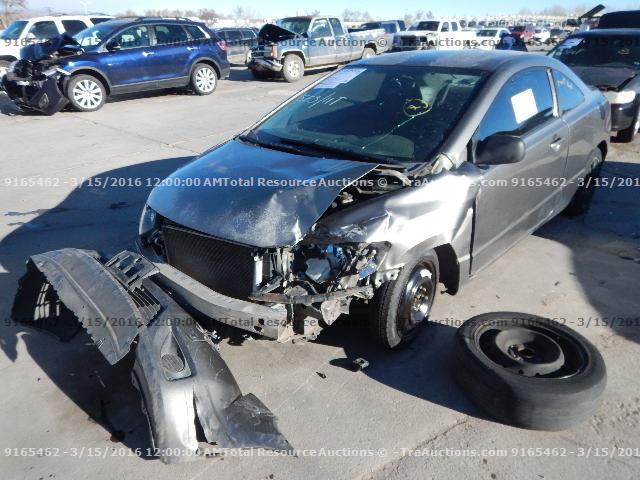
(114,46)
(500,149)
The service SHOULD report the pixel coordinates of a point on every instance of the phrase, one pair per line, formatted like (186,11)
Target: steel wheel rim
(531,350)
(87,94)
(293,69)
(206,79)
(417,299)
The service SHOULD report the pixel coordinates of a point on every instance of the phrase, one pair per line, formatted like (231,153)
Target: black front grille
(224,267)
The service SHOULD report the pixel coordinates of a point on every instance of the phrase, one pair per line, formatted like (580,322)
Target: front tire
(86,93)
(204,79)
(292,68)
(628,134)
(401,307)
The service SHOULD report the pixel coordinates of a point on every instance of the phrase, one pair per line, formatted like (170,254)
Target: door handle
(556,144)
(192,48)
(146,54)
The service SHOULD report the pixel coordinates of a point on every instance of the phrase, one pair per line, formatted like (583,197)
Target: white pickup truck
(441,34)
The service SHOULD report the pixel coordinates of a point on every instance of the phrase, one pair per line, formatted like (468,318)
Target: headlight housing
(148,222)
(625,96)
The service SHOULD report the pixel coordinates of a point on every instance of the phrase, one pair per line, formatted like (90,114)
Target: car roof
(45,18)
(604,32)
(491,60)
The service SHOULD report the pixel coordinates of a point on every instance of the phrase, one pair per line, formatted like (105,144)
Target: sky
(381,9)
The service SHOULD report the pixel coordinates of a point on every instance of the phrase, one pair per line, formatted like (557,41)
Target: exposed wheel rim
(87,94)
(417,298)
(205,79)
(293,69)
(531,350)
(3,71)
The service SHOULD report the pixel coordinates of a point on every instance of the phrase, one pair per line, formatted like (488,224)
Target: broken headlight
(148,222)
(322,263)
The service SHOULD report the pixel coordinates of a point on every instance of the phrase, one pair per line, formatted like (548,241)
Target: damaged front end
(35,81)
(182,379)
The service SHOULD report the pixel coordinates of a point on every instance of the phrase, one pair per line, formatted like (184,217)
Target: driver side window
(524,103)
(320,29)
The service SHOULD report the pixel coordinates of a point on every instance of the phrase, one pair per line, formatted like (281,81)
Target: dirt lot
(403,417)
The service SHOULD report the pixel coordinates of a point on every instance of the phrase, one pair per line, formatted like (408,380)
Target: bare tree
(9,8)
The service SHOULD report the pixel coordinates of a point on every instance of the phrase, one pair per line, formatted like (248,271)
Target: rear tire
(628,134)
(401,307)
(581,200)
(292,68)
(86,93)
(368,53)
(204,79)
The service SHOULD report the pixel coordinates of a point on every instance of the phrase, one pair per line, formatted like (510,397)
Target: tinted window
(44,30)
(320,28)
(337,28)
(523,103)
(600,50)
(454,26)
(430,26)
(73,26)
(133,37)
(223,35)
(170,34)
(195,32)
(445,27)
(97,20)
(248,34)
(569,94)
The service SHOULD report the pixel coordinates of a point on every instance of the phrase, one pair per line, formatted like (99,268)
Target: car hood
(605,77)
(40,51)
(272,33)
(253,195)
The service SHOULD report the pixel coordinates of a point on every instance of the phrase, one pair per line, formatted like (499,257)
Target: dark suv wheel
(86,93)
(204,79)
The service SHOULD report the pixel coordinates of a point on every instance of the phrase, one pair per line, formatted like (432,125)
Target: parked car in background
(489,38)
(20,33)
(541,35)
(389,26)
(118,56)
(556,35)
(442,34)
(609,59)
(239,42)
(294,44)
(622,19)
(524,32)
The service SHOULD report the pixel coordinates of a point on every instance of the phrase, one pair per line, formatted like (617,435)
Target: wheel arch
(92,72)
(207,61)
(8,58)
(603,147)
(449,267)
(294,52)
(372,46)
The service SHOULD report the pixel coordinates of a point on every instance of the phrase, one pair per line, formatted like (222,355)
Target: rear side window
(445,27)
(73,26)
(454,26)
(524,103)
(46,29)
(170,34)
(337,28)
(133,37)
(195,32)
(569,94)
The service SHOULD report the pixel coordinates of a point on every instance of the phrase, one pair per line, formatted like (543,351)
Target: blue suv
(114,57)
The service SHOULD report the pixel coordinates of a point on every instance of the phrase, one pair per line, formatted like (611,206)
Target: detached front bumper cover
(43,96)
(178,370)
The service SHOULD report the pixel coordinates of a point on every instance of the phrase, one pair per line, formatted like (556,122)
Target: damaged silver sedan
(364,191)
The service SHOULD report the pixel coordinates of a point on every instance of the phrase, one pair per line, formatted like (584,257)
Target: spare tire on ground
(529,371)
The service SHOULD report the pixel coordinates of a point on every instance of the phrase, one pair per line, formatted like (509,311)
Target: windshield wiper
(253,139)
(347,154)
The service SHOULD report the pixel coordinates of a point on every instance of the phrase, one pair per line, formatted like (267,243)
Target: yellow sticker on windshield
(415,106)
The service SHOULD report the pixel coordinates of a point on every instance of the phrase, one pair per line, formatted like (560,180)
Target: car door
(170,53)
(516,198)
(235,47)
(344,49)
(322,48)
(125,61)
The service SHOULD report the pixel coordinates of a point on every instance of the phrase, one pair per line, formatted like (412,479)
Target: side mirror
(499,149)
(113,46)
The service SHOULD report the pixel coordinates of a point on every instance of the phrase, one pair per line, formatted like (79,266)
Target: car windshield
(429,26)
(517,29)
(487,33)
(385,114)
(295,24)
(599,52)
(93,35)
(371,25)
(14,30)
